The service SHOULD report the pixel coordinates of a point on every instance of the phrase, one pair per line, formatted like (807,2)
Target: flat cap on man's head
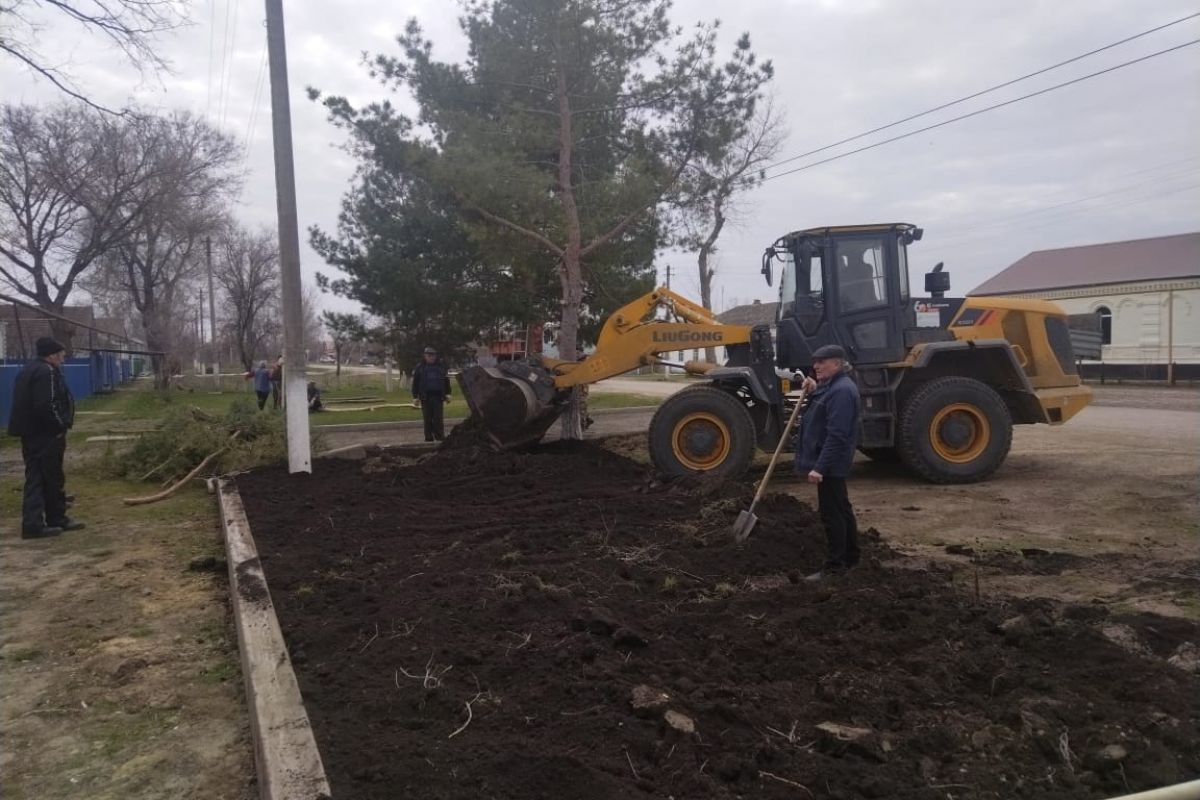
(48,347)
(829,351)
(429,351)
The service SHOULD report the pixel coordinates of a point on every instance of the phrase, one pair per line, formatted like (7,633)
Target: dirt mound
(562,624)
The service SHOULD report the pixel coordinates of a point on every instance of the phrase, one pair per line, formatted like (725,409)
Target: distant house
(21,327)
(1146,292)
(756,313)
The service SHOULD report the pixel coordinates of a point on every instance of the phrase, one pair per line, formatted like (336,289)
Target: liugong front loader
(943,380)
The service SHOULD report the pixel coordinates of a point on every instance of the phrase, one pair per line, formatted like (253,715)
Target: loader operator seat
(857,283)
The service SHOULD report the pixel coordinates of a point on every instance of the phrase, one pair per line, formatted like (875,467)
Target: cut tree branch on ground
(154,498)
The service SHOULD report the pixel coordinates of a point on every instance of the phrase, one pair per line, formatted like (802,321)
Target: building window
(1105,324)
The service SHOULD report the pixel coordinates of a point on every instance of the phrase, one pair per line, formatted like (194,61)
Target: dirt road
(118,673)
(1115,489)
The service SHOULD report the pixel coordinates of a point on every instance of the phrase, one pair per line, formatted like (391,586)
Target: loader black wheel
(884,455)
(702,429)
(954,430)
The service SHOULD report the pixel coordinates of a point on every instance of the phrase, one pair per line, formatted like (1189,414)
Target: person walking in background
(277,384)
(262,384)
(42,413)
(828,439)
(431,390)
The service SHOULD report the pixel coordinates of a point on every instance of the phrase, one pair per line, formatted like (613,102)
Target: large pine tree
(558,138)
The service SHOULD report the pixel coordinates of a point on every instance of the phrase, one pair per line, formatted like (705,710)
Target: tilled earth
(561,625)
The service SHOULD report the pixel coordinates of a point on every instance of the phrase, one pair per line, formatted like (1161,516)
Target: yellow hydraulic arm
(634,336)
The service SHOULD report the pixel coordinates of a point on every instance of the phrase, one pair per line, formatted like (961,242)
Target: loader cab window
(902,268)
(809,308)
(862,282)
(787,285)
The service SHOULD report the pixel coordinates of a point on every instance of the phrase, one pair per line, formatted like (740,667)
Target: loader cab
(846,285)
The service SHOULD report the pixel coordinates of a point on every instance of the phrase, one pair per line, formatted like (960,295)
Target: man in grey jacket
(42,413)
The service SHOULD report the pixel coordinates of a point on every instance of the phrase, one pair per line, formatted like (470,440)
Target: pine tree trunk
(706,273)
(710,353)
(570,268)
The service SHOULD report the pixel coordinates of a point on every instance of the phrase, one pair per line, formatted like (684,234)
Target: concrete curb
(285,752)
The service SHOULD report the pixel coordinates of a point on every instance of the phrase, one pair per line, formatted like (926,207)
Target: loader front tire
(702,429)
(954,430)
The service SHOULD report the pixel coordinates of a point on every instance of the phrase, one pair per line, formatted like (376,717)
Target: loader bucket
(507,406)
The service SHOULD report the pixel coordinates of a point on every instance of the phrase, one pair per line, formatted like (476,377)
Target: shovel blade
(742,526)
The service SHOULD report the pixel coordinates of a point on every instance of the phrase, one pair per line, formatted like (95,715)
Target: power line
(1055,214)
(224,57)
(212,46)
(252,122)
(983,92)
(982,110)
(1007,219)
(973,244)
(232,49)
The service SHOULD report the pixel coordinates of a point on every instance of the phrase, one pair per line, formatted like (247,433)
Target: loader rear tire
(884,455)
(954,430)
(702,429)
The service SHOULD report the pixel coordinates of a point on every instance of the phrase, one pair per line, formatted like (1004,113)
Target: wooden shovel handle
(762,485)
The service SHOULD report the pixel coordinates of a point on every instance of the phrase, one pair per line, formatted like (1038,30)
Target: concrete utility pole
(212,312)
(294,368)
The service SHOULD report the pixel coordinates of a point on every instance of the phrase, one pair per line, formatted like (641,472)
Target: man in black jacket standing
(431,389)
(42,413)
(828,439)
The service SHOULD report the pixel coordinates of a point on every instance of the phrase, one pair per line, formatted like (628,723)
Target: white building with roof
(1146,291)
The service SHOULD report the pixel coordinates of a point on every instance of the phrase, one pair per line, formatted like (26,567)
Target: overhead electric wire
(1061,216)
(1007,220)
(229,79)
(252,122)
(984,110)
(982,92)
(224,58)
(212,47)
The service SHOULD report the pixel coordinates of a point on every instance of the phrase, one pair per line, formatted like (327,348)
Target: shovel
(746,520)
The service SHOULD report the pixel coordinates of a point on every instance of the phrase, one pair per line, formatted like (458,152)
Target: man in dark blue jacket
(42,413)
(431,389)
(828,439)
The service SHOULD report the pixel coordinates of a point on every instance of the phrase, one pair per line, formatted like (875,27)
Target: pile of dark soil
(561,625)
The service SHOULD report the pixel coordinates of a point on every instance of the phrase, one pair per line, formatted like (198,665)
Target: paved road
(646,386)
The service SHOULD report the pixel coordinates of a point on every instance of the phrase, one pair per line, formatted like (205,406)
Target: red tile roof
(1163,257)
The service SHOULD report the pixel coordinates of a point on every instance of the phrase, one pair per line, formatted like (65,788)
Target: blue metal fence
(87,375)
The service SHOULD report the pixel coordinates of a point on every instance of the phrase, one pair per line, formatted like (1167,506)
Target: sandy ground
(1116,487)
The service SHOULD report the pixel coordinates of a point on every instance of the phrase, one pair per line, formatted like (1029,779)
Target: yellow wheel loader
(943,380)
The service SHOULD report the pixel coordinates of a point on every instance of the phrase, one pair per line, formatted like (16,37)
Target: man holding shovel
(828,439)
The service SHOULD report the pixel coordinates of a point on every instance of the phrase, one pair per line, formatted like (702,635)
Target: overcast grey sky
(1115,157)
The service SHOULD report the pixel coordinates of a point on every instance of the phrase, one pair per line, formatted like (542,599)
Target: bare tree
(163,250)
(247,269)
(344,329)
(129,25)
(710,197)
(73,184)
